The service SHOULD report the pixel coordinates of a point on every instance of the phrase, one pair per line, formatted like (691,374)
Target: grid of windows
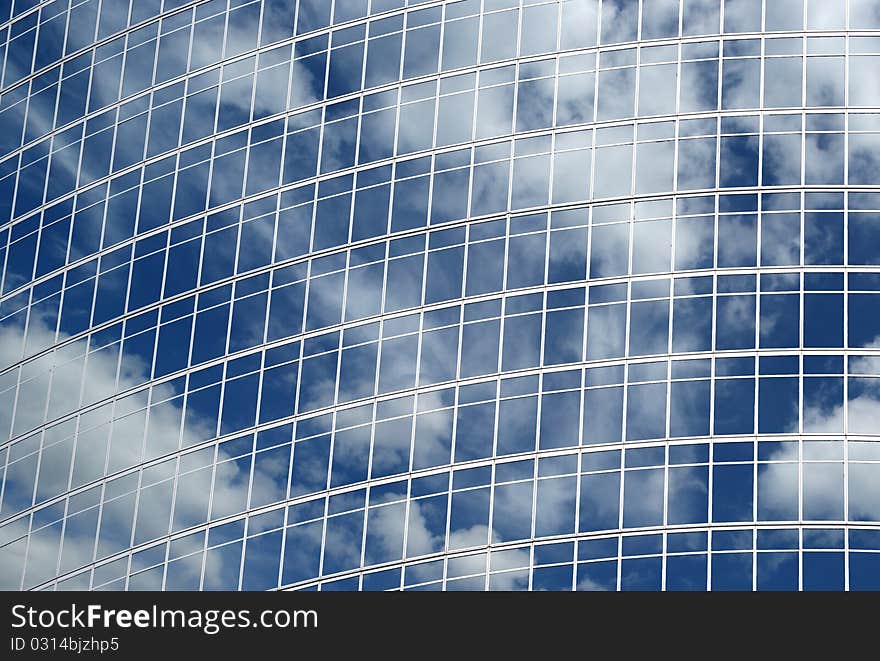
(478,294)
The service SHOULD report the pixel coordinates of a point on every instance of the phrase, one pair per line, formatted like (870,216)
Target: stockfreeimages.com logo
(210,622)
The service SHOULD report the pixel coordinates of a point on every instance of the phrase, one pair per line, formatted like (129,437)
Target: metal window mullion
(490,520)
(846,297)
(534,512)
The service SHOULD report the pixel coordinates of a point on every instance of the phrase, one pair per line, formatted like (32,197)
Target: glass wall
(466,295)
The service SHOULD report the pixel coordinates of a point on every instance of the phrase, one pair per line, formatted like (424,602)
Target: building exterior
(465,295)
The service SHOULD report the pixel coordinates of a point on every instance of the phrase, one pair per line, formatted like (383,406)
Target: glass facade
(464,295)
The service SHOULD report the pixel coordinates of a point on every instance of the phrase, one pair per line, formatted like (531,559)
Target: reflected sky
(359,295)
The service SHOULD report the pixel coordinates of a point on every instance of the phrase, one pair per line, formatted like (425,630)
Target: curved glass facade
(477,294)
